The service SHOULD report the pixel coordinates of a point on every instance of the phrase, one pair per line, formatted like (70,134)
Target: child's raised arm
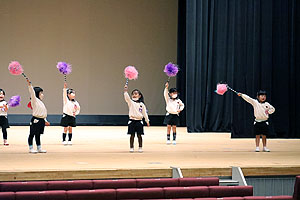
(126,95)
(247,98)
(166,95)
(65,98)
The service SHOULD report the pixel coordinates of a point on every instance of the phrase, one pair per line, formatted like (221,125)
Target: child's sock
(70,136)
(174,136)
(168,136)
(64,136)
(30,147)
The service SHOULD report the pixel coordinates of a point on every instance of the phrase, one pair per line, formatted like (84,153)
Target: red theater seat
(114,184)
(140,193)
(186,192)
(268,197)
(7,196)
(42,195)
(103,194)
(23,186)
(70,185)
(160,182)
(230,191)
(209,181)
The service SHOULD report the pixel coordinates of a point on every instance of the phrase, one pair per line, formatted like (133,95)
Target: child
(137,110)
(173,106)
(3,116)
(38,121)
(70,110)
(262,110)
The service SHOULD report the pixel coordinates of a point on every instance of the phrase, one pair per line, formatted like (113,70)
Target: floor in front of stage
(103,152)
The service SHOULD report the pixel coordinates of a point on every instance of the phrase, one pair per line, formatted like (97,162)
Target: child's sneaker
(64,142)
(131,150)
(32,151)
(265,149)
(41,151)
(5,143)
(140,150)
(174,142)
(257,149)
(168,141)
(69,143)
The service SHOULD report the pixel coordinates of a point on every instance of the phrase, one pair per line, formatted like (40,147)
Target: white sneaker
(5,143)
(64,142)
(41,151)
(32,151)
(131,150)
(140,150)
(265,149)
(168,141)
(174,142)
(257,149)
(69,143)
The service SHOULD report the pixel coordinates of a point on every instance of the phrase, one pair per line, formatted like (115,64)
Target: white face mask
(135,98)
(174,96)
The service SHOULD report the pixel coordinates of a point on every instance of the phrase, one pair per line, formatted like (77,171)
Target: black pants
(37,126)
(140,139)
(4,131)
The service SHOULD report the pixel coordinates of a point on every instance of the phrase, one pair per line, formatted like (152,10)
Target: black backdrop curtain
(249,44)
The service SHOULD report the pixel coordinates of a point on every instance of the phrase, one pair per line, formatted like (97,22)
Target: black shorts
(37,125)
(172,119)
(4,122)
(68,120)
(261,128)
(135,126)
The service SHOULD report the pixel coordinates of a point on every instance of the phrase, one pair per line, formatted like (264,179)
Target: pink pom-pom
(131,73)
(15,68)
(221,88)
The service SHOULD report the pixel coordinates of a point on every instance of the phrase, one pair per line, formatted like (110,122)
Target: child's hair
(69,91)
(172,90)
(1,90)
(261,92)
(141,99)
(37,91)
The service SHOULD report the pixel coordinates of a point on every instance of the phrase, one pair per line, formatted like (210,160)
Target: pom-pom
(15,68)
(14,101)
(29,105)
(131,73)
(171,69)
(221,88)
(64,68)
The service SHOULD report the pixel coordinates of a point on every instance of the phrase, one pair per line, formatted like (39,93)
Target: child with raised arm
(137,111)
(262,110)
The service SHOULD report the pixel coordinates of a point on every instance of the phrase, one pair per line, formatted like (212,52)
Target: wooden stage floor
(103,152)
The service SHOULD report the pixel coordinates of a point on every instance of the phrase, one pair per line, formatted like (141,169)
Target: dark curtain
(249,44)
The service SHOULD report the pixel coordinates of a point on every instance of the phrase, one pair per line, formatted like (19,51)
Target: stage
(103,152)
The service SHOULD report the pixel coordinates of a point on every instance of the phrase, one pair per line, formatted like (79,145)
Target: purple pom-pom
(15,68)
(171,69)
(131,73)
(64,68)
(14,101)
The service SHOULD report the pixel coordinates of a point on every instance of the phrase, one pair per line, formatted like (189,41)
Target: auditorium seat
(103,194)
(230,191)
(70,185)
(114,184)
(23,186)
(160,182)
(209,181)
(297,188)
(42,195)
(186,192)
(7,196)
(269,197)
(140,193)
